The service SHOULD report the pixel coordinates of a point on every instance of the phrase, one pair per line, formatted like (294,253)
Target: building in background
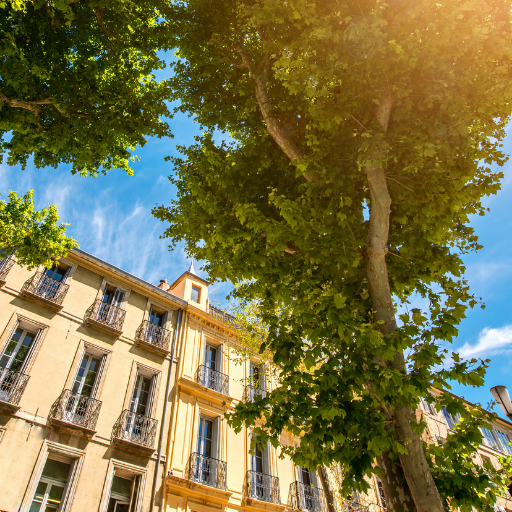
(93,419)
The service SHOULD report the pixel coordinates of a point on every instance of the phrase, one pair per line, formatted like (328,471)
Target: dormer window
(196,292)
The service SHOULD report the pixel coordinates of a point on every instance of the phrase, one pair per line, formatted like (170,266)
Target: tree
(76,81)
(363,137)
(34,235)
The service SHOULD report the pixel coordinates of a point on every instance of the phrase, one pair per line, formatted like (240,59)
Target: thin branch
(99,18)
(359,123)
(401,184)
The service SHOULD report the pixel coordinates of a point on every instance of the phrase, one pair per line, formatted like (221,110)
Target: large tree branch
(414,463)
(274,126)
(34,105)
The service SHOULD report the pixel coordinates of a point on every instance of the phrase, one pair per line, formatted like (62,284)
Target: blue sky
(110,216)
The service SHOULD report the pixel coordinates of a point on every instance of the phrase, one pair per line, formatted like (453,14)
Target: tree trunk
(414,463)
(329,496)
(397,493)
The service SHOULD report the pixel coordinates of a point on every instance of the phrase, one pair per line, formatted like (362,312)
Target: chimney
(164,285)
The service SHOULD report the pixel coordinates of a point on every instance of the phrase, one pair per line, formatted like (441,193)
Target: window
(195,294)
(257,376)
(123,494)
(490,438)
(50,489)
(380,491)
(429,407)
(451,421)
(504,440)
(205,466)
(54,479)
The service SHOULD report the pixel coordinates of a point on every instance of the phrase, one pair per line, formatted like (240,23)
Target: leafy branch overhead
(35,236)
(364,136)
(78,84)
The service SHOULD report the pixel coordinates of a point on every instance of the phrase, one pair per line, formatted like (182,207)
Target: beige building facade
(112,399)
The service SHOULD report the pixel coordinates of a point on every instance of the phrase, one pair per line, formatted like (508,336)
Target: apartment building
(94,417)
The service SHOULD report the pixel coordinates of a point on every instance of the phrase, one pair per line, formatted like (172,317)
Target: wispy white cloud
(490,342)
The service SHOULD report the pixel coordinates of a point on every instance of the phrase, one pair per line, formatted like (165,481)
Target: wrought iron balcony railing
(46,288)
(135,428)
(251,391)
(12,385)
(263,487)
(213,379)
(154,335)
(305,497)
(207,471)
(5,266)
(221,315)
(109,316)
(82,411)
(353,505)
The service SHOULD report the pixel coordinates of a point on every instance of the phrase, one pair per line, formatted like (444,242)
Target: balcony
(263,487)
(106,318)
(45,291)
(12,385)
(153,337)
(207,471)
(5,266)
(251,391)
(135,433)
(213,379)
(221,315)
(75,413)
(305,497)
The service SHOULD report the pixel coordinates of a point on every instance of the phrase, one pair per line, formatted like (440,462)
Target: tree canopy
(364,135)
(35,236)
(77,83)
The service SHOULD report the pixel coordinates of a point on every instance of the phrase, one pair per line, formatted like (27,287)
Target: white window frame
(59,451)
(124,467)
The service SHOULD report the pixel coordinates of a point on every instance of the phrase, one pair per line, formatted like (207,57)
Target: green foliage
(35,236)
(77,83)
(455,471)
(297,246)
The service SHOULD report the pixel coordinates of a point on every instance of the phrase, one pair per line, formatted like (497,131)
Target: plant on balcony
(364,136)
(35,235)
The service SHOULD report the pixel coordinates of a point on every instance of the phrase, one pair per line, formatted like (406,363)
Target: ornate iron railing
(155,335)
(107,314)
(77,409)
(213,379)
(263,487)
(207,471)
(252,391)
(135,428)
(12,385)
(353,505)
(305,497)
(47,288)
(5,266)
(221,315)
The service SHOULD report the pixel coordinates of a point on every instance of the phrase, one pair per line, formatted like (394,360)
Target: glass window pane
(194,296)
(122,486)
(55,496)
(56,470)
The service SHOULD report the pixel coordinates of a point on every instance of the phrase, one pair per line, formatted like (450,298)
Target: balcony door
(84,387)
(213,365)
(140,408)
(50,282)
(13,360)
(206,463)
(112,301)
(260,480)
(308,496)
(155,326)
